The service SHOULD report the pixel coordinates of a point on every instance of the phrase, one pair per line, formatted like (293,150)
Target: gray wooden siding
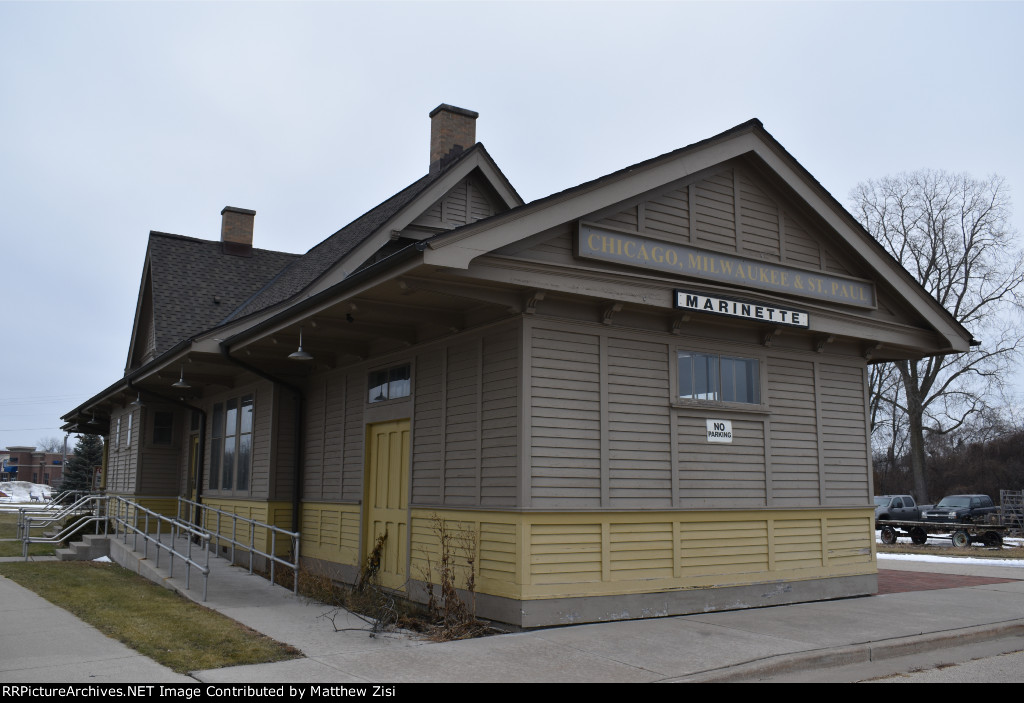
(843,428)
(705,213)
(466,421)
(499,420)
(161,474)
(759,217)
(604,431)
(669,213)
(467,201)
(462,423)
(720,475)
(802,248)
(281,478)
(428,441)
(716,212)
(565,408)
(354,436)
(122,459)
(325,422)
(638,423)
(794,440)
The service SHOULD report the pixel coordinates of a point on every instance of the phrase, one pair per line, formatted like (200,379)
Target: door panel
(387,499)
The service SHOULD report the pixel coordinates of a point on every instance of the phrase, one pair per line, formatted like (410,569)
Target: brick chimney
(236,230)
(452,131)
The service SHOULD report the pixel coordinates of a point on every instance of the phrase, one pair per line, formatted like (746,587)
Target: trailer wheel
(918,535)
(888,535)
(961,539)
(992,539)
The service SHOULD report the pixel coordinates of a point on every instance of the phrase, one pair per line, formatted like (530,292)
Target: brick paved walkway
(893,581)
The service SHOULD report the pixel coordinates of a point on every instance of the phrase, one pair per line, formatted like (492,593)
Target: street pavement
(924,607)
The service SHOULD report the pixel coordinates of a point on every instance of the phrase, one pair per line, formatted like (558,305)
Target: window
(163,427)
(117,435)
(720,378)
(128,434)
(231,444)
(388,384)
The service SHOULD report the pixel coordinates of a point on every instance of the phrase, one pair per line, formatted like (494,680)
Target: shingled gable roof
(333,251)
(460,246)
(194,283)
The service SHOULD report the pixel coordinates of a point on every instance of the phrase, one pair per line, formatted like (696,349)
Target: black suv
(960,509)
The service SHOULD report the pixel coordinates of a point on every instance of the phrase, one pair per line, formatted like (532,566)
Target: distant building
(29,464)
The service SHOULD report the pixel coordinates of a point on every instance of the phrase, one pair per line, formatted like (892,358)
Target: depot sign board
(679,259)
(748,310)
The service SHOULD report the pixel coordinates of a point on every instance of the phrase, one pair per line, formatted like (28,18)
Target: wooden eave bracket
(820,342)
(533,301)
(869,351)
(609,313)
(770,336)
(680,322)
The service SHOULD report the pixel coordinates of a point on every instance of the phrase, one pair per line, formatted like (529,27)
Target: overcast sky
(121,118)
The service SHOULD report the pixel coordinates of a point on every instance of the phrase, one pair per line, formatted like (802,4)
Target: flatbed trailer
(961,534)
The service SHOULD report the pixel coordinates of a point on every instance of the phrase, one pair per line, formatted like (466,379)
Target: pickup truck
(961,509)
(896,508)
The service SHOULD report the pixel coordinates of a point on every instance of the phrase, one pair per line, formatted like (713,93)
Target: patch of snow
(1016,563)
(23,492)
(105,560)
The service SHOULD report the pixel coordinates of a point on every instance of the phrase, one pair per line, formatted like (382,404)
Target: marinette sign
(634,250)
(691,300)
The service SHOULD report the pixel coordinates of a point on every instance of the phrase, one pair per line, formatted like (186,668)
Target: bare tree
(53,445)
(952,233)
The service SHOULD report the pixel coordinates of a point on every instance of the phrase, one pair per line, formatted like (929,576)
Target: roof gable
(189,285)
(730,184)
(353,245)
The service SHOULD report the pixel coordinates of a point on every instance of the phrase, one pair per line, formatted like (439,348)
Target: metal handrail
(26,514)
(63,534)
(176,529)
(199,514)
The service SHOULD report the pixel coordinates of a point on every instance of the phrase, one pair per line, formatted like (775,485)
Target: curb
(854,654)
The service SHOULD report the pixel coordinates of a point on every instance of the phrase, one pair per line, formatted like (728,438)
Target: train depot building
(643,396)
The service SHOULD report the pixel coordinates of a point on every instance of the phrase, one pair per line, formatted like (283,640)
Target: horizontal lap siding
(625,219)
(639,427)
(793,427)
(427,449)
(733,547)
(759,216)
(716,211)
(354,437)
(499,420)
(462,424)
(713,475)
(669,213)
(844,431)
(330,532)
(566,413)
(565,553)
(315,424)
(543,555)
(802,249)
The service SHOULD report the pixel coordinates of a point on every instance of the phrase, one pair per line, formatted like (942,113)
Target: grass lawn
(9,529)
(148,618)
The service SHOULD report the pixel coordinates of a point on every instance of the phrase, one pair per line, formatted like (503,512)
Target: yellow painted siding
(330,532)
(277,513)
(545,555)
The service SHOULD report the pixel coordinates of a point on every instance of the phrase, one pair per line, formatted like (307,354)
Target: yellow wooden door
(387,500)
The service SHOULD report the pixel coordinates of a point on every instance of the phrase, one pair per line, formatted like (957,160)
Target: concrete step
(89,548)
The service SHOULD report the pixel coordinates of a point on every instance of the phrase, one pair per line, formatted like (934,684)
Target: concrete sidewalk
(722,646)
